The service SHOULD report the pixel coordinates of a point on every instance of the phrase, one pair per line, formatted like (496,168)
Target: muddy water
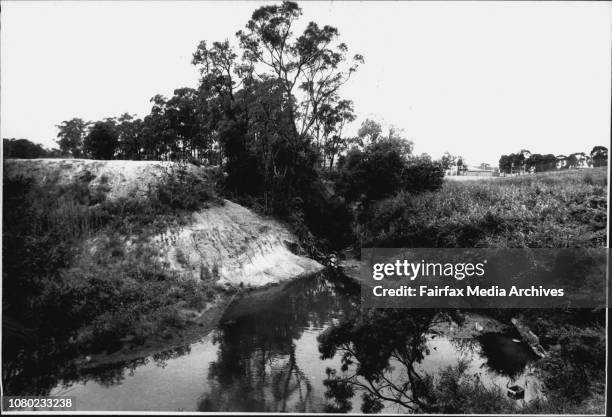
(264,357)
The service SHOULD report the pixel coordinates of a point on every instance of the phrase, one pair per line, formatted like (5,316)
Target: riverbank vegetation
(550,210)
(81,272)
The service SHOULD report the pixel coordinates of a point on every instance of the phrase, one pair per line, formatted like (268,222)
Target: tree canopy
(71,135)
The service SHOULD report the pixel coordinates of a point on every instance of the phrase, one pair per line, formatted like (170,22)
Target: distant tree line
(25,149)
(174,130)
(526,161)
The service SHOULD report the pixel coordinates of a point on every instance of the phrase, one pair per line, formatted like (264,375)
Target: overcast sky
(476,79)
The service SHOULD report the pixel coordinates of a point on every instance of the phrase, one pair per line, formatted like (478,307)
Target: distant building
(455,169)
(561,161)
(480,172)
(483,170)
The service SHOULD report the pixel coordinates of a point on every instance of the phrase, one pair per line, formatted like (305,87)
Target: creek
(264,356)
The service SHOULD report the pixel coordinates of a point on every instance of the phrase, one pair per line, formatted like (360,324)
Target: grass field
(557,209)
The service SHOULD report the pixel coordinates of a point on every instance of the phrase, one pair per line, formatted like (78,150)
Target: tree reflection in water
(256,367)
(379,349)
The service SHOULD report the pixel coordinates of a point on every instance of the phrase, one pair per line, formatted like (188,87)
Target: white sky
(476,79)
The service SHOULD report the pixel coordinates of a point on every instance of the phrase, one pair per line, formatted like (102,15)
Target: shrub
(576,363)
(422,175)
(384,168)
(456,392)
(182,189)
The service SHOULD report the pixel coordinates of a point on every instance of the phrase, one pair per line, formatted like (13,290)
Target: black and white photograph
(305,207)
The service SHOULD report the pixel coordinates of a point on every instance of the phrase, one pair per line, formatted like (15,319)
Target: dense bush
(382,169)
(576,341)
(183,189)
(457,392)
(422,175)
(102,140)
(25,149)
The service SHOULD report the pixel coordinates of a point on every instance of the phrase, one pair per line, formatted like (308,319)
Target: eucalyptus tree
(131,142)
(332,121)
(314,63)
(369,132)
(71,136)
(264,102)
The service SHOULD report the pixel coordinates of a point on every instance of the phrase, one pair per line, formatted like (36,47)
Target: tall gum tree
(267,102)
(314,62)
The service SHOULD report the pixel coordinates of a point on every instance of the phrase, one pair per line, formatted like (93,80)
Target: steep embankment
(236,246)
(227,243)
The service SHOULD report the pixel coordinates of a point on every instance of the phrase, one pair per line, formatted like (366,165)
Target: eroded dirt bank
(228,243)
(237,247)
